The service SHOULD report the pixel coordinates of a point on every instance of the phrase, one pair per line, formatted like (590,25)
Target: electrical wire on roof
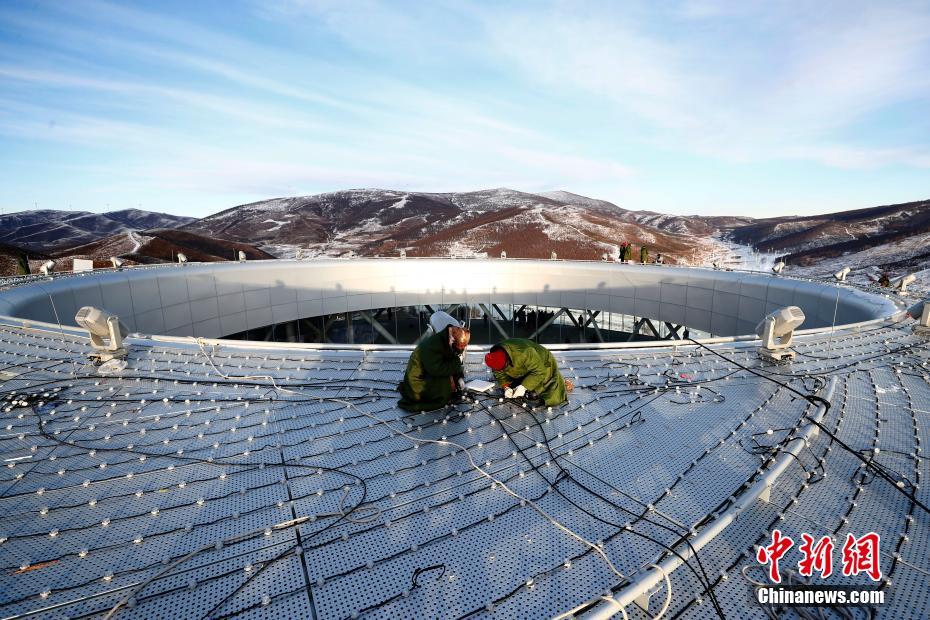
(817,400)
(342,514)
(271,392)
(621,527)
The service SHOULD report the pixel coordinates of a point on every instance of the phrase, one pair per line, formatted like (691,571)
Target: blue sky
(697,106)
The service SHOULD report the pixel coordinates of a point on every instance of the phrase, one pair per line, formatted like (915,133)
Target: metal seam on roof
(661,431)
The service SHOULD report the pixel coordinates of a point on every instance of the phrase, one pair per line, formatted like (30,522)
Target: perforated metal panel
(119,486)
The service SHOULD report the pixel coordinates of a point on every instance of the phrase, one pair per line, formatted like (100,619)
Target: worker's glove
(516,392)
(461,384)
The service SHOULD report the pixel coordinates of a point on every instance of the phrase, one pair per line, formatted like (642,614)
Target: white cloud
(797,75)
(458,95)
(860,158)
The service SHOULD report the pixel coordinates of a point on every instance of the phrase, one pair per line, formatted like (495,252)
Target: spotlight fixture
(901,283)
(182,258)
(242,256)
(921,312)
(841,274)
(403,253)
(503,254)
(117,262)
(47,267)
(779,266)
(776,331)
(553,256)
(106,332)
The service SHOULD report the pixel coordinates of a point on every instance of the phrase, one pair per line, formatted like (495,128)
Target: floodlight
(779,266)
(553,256)
(605,257)
(117,262)
(716,265)
(106,332)
(242,256)
(182,258)
(776,331)
(902,282)
(921,312)
(403,253)
(842,273)
(503,254)
(47,267)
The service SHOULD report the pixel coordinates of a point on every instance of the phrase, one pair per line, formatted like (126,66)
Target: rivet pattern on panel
(314,495)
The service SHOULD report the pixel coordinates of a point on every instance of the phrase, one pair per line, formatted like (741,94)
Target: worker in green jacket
(522,367)
(434,371)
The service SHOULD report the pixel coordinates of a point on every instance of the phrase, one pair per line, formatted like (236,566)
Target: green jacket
(431,371)
(532,366)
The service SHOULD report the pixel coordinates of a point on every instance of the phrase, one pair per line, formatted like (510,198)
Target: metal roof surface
(246,481)
(191,495)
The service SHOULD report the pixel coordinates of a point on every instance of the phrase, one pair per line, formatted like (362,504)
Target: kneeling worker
(521,366)
(434,371)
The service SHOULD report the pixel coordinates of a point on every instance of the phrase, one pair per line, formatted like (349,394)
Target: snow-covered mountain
(157,245)
(45,230)
(805,238)
(369,222)
(682,224)
(375,221)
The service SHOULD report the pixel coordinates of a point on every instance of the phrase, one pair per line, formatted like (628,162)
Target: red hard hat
(496,359)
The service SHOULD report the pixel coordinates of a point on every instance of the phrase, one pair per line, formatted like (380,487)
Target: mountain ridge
(373,221)
(485,222)
(45,230)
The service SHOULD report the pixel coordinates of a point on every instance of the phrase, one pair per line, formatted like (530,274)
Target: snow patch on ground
(460,249)
(277,224)
(867,265)
(135,240)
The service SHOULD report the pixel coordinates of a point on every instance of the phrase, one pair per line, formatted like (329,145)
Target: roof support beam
(593,323)
(545,325)
(651,327)
(494,322)
(378,326)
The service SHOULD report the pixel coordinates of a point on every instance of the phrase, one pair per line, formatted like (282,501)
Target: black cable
(684,538)
(622,527)
(285,464)
(817,400)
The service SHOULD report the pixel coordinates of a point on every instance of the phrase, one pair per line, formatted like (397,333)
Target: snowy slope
(158,245)
(374,221)
(45,230)
(368,222)
(799,236)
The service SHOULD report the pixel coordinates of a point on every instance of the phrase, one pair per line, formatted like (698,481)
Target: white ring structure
(211,300)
